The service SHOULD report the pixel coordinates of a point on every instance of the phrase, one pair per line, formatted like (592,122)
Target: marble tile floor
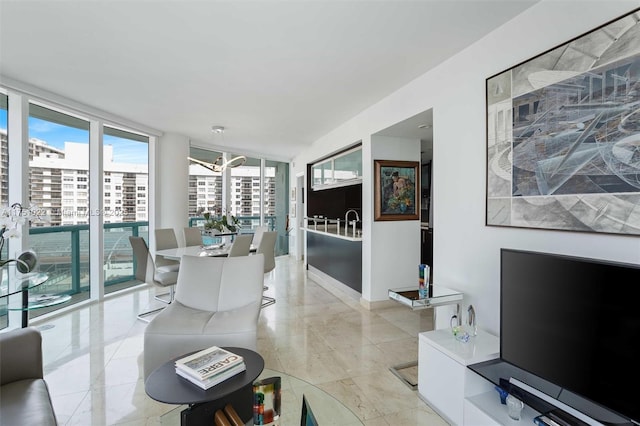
(93,354)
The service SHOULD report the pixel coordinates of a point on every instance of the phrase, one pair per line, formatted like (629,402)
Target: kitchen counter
(333,253)
(331,229)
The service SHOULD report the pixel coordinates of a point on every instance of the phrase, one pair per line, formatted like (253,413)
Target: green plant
(221,223)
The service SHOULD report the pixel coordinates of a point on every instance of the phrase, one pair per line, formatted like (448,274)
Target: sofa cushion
(26,402)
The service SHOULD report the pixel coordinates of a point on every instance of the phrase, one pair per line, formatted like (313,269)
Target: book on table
(210,363)
(215,379)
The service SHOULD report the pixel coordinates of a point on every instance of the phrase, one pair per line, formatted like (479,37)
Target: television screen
(307,418)
(574,322)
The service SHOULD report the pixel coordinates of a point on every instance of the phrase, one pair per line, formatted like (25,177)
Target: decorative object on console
(471,320)
(514,407)
(267,397)
(562,136)
(423,281)
(503,394)
(396,195)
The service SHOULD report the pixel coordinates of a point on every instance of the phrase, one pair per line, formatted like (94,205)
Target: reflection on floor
(93,355)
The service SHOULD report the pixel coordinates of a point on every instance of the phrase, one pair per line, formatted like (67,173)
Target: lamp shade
(27,261)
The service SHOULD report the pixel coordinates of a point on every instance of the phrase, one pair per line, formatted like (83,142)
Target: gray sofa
(24,396)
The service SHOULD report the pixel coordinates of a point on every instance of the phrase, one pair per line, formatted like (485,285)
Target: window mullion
(96,229)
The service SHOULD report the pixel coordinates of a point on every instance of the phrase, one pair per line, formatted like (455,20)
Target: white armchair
(217,302)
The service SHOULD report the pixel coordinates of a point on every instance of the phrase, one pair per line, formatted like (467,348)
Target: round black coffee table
(165,385)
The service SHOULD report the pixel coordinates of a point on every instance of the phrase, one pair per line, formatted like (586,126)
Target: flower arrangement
(221,223)
(13,217)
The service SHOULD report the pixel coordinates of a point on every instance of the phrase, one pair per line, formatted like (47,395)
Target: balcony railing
(63,253)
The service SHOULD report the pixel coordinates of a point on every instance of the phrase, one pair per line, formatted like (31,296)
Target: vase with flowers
(220,224)
(11,220)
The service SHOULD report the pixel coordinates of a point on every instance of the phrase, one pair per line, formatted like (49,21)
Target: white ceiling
(277,74)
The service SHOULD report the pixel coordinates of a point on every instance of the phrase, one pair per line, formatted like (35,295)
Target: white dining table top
(177,253)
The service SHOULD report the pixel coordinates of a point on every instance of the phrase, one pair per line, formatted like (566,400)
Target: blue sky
(124,151)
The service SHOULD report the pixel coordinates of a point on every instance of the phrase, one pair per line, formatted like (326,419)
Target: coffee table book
(214,380)
(208,363)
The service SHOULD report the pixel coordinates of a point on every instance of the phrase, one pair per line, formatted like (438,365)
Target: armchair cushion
(217,302)
(24,396)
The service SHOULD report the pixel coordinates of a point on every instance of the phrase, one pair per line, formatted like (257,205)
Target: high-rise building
(60,185)
(205,191)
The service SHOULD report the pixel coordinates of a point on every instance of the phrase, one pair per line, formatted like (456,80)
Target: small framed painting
(396,190)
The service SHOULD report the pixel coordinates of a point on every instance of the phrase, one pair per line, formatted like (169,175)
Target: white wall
(172,175)
(391,249)
(466,252)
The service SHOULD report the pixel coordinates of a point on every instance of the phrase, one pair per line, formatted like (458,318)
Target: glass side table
(326,408)
(438,296)
(12,283)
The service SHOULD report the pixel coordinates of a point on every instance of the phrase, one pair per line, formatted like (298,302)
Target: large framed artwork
(396,190)
(563,136)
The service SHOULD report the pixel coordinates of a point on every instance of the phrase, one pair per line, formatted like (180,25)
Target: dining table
(214,250)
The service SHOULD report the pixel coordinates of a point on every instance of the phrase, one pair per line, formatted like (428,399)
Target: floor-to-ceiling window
(125,207)
(4,186)
(59,185)
(205,185)
(276,201)
(255,191)
(56,144)
(244,192)
(4,158)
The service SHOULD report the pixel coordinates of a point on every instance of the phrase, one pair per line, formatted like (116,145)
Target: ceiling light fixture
(217,129)
(219,165)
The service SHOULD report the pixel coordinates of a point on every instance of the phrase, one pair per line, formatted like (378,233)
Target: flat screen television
(575,323)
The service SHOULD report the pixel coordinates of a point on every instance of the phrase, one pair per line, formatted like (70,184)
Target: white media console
(458,394)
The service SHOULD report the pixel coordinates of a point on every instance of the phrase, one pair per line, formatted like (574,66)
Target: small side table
(438,296)
(11,284)
(165,385)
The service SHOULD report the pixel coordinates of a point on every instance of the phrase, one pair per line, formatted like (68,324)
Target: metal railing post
(75,261)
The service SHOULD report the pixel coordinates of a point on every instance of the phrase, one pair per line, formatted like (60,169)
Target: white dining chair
(192,236)
(257,235)
(241,245)
(147,271)
(267,248)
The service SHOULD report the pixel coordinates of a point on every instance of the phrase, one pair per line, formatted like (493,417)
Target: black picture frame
(563,136)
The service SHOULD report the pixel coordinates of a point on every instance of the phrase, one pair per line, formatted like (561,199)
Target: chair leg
(142,316)
(267,301)
(171,294)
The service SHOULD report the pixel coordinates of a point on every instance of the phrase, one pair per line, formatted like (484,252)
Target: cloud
(42,126)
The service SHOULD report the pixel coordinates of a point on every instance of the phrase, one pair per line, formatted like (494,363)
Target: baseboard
(377,304)
(332,285)
(341,290)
